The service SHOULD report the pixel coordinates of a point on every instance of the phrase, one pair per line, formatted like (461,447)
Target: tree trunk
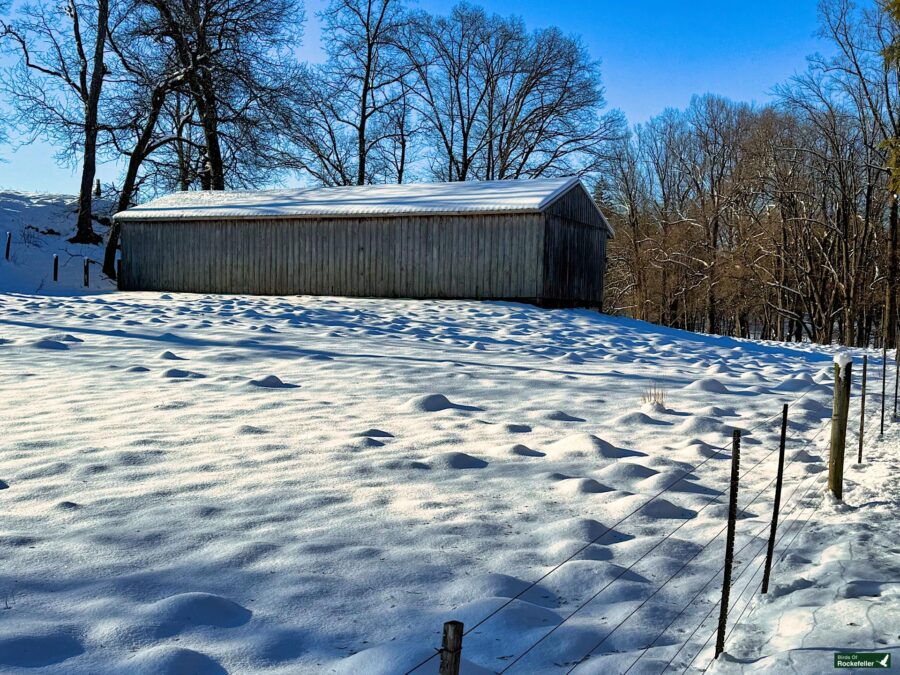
(890,296)
(138,155)
(84,232)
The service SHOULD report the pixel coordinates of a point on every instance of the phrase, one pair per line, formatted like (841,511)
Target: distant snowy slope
(40,225)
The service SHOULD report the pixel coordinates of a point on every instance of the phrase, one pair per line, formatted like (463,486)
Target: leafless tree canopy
(779,221)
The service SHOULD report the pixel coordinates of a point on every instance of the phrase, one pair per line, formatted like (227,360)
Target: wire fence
(791,511)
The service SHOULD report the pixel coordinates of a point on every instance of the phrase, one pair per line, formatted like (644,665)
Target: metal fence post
(777,505)
(862,408)
(729,542)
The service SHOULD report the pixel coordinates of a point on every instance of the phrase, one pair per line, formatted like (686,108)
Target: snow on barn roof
(470,197)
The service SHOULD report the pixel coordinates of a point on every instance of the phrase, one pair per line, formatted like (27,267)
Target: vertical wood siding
(557,257)
(481,257)
(574,260)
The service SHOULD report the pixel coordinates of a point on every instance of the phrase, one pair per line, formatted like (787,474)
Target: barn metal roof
(469,197)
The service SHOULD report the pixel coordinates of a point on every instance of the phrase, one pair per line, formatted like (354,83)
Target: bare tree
(57,84)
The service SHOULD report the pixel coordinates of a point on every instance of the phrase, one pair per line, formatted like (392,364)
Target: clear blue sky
(655,54)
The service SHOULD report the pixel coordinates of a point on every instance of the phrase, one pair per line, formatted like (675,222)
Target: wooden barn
(541,241)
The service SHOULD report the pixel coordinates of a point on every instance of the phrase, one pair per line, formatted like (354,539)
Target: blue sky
(655,54)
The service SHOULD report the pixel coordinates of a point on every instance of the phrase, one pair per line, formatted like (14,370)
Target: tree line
(778,221)
(209,94)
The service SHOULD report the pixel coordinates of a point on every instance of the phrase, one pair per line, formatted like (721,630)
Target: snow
(40,225)
(209,484)
(842,360)
(501,196)
(838,589)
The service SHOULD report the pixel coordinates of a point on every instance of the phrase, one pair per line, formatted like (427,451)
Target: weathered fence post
(55,267)
(8,243)
(87,272)
(862,408)
(777,505)
(843,366)
(451,648)
(729,541)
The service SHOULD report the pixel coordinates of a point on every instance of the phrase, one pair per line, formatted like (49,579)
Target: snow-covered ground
(838,588)
(200,484)
(40,225)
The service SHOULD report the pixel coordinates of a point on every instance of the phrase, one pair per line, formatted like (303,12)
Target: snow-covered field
(198,484)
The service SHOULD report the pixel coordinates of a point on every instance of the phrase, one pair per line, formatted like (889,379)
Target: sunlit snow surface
(281,485)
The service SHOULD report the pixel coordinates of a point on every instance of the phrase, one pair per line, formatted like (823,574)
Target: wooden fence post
(777,505)
(843,366)
(87,272)
(55,267)
(729,541)
(862,408)
(451,648)
(8,243)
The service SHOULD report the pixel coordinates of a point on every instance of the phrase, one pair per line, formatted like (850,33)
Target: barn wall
(575,252)
(481,257)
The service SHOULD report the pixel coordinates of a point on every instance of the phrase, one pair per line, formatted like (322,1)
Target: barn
(541,241)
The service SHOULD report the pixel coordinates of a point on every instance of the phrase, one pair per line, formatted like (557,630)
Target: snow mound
(700,425)
(375,433)
(569,357)
(586,445)
(796,384)
(562,416)
(272,382)
(457,460)
(626,472)
(639,418)
(517,428)
(171,660)
(137,369)
(709,385)
(662,508)
(3,485)
(434,403)
(582,486)
(179,374)
(177,613)
(524,451)
(65,337)
(47,343)
(581,529)
(494,585)
(43,647)
(170,356)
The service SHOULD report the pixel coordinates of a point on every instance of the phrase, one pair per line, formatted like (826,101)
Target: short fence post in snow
(729,542)
(55,267)
(862,408)
(775,508)
(843,366)
(87,272)
(8,243)
(451,648)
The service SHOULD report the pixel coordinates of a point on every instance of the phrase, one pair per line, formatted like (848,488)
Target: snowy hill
(40,225)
